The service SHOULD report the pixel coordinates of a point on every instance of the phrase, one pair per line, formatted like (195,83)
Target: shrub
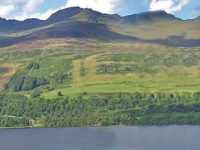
(59,93)
(36,93)
(18,84)
(190,61)
(29,84)
(33,66)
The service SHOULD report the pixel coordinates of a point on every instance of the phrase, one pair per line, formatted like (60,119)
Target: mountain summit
(150,16)
(80,14)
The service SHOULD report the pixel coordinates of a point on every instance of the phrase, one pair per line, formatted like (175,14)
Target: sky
(42,9)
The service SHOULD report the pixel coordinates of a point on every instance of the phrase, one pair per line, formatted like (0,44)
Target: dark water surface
(111,138)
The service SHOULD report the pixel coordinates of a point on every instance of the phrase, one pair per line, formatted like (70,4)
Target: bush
(170,61)
(151,60)
(36,93)
(42,81)
(29,83)
(190,61)
(33,66)
(84,93)
(49,88)
(60,77)
(18,84)
(59,93)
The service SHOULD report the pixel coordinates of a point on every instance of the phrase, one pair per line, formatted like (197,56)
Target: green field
(98,67)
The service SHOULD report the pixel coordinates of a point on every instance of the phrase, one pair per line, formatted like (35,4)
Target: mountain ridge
(78,9)
(67,13)
(75,22)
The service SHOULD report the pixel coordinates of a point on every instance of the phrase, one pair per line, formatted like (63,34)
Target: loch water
(104,138)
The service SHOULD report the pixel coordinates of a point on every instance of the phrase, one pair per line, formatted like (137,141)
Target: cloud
(6,10)
(21,9)
(31,5)
(104,6)
(42,16)
(47,14)
(170,6)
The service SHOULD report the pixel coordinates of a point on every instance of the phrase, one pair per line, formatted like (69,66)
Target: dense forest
(122,109)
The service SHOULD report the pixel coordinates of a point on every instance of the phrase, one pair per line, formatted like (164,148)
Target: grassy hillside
(6,72)
(99,67)
(175,32)
(161,29)
(81,83)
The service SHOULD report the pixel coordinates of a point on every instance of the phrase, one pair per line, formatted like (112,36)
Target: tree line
(121,109)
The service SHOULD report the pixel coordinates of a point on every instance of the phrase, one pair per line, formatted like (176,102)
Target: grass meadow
(99,67)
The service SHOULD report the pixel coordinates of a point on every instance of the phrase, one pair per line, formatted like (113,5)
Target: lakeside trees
(122,109)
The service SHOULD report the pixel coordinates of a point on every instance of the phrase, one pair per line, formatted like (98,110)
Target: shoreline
(91,127)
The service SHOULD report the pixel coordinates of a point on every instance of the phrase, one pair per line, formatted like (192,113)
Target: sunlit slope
(161,30)
(97,67)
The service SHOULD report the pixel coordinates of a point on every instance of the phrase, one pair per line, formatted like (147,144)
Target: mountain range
(151,27)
